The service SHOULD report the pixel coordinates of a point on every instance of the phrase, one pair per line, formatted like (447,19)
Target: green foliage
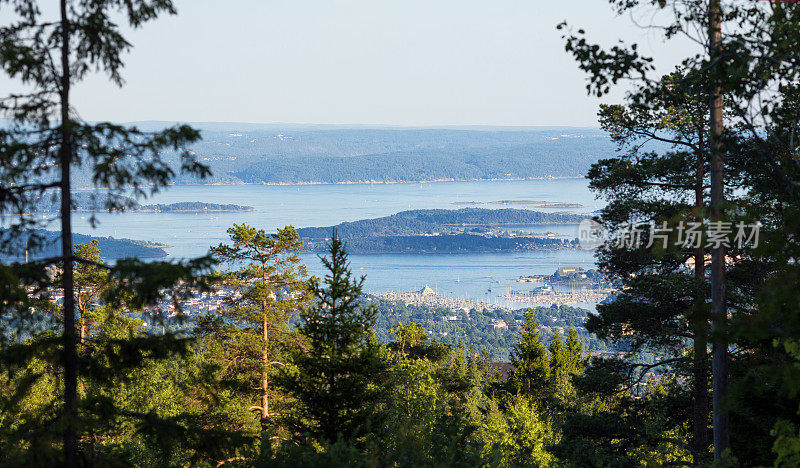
(517,436)
(531,375)
(132,389)
(249,337)
(335,379)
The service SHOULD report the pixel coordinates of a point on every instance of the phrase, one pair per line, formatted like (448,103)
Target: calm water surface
(478,276)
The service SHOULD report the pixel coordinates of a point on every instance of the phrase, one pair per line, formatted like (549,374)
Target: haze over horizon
(361,62)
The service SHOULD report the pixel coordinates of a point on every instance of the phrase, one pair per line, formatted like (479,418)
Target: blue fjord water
(485,277)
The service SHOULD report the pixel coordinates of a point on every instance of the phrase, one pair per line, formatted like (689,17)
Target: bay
(484,277)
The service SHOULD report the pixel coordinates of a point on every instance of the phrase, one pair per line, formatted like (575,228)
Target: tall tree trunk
(82,336)
(265,373)
(70,357)
(700,330)
(719,363)
(264,355)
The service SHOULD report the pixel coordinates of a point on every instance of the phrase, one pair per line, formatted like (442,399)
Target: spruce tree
(531,374)
(559,367)
(574,351)
(335,382)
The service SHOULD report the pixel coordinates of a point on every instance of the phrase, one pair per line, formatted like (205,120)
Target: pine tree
(739,77)
(335,382)
(91,279)
(44,146)
(664,302)
(252,329)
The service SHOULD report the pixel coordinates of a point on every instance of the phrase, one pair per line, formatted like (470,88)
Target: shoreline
(439,252)
(390,182)
(367,182)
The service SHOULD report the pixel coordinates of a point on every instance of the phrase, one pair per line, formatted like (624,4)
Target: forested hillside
(443,231)
(241,153)
(47,246)
(418,222)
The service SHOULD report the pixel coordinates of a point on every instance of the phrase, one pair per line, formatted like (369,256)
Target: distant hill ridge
(303,154)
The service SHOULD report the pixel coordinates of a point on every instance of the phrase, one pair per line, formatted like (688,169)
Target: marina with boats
(567,286)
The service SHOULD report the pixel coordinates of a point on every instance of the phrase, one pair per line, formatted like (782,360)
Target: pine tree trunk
(719,363)
(700,329)
(264,355)
(70,356)
(265,374)
(82,338)
(81,306)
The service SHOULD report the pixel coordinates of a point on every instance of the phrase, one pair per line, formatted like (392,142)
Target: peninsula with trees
(42,243)
(468,230)
(90,201)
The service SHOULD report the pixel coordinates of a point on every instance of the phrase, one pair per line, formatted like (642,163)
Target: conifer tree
(44,146)
(266,290)
(574,350)
(650,184)
(728,93)
(335,380)
(531,375)
(559,366)
(91,279)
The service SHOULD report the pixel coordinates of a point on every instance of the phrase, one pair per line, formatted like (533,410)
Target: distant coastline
(386,182)
(299,156)
(350,182)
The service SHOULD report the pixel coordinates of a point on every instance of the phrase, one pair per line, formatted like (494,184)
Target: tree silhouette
(45,145)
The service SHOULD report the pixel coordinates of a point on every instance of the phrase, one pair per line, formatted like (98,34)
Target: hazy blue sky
(400,62)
